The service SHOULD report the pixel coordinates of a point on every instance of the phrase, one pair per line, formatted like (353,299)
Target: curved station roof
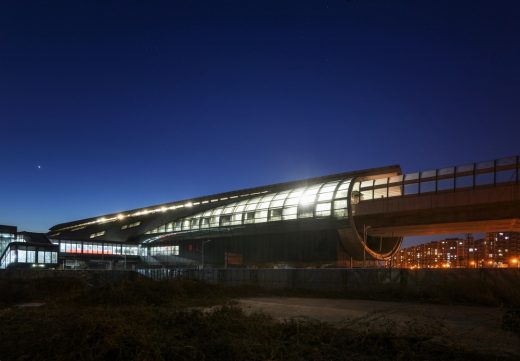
(323,197)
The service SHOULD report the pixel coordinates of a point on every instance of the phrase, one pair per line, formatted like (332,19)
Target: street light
(204,243)
(515,262)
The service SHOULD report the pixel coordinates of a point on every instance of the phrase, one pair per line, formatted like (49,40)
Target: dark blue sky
(126,104)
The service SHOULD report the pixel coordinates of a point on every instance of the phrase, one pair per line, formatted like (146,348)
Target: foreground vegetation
(181,320)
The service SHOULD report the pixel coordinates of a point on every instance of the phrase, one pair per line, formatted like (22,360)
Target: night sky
(112,105)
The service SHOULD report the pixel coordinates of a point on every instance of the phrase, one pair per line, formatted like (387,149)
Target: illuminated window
(261,216)
(279,199)
(225,220)
(195,223)
(214,221)
(275,214)
(306,210)
(98,234)
(250,217)
(252,204)
(327,191)
(178,225)
(342,191)
(131,225)
(164,251)
(265,201)
(229,209)
(294,197)
(320,200)
(323,209)
(309,196)
(340,208)
(289,213)
(204,222)
(31,254)
(236,219)
(240,207)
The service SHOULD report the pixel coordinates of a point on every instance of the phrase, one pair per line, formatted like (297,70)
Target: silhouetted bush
(142,319)
(223,333)
(20,290)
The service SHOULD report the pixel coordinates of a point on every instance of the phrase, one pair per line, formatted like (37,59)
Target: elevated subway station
(304,223)
(341,220)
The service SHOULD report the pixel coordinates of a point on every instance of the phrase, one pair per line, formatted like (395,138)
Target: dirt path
(477,328)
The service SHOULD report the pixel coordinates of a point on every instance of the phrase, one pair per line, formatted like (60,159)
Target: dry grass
(146,320)
(225,333)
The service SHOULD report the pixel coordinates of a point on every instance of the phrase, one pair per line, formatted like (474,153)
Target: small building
(27,249)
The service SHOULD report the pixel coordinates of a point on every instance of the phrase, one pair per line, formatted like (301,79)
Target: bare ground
(472,327)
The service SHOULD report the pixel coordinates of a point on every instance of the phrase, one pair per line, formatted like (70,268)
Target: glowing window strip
(237,213)
(163,209)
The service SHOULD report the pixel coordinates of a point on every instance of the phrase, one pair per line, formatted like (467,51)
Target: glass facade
(323,200)
(21,253)
(99,248)
(164,251)
(467,176)
(5,239)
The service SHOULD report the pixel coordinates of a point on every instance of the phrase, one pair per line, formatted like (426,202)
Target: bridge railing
(467,176)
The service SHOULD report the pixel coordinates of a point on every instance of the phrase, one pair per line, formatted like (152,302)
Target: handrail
(473,175)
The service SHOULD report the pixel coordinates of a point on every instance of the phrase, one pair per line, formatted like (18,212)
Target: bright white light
(189,204)
(307,199)
(120,216)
